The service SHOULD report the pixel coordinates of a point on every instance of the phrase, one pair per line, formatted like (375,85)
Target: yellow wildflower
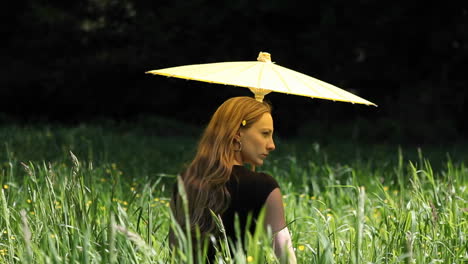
(301,247)
(250,259)
(385,188)
(28,201)
(5,186)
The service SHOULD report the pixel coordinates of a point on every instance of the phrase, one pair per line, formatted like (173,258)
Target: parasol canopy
(262,77)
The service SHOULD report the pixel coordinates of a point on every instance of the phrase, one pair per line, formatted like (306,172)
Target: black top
(249,191)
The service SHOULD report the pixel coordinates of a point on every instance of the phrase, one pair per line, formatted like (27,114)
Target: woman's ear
(238,135)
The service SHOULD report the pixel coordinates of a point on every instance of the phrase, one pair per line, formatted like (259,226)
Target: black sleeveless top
(249,191)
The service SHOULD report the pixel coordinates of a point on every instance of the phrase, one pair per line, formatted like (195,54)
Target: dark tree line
(72,61)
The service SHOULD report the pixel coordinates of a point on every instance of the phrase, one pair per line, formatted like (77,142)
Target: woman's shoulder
(267,179)
(257,178)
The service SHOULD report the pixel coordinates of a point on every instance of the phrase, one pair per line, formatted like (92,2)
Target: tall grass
(89,194)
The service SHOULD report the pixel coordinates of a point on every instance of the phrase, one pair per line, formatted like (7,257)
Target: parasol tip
(264,57)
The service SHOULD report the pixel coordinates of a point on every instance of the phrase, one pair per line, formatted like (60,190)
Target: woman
(240,132)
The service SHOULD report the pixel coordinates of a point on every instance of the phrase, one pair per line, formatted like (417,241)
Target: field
(98,193)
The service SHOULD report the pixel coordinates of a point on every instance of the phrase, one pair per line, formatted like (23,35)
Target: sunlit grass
(90,195)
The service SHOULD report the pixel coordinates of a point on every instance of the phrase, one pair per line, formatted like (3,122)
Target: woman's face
(257,141)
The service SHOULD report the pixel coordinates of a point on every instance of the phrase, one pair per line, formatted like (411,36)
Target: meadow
(99,193)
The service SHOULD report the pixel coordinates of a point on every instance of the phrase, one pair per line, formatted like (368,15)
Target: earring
(240,147)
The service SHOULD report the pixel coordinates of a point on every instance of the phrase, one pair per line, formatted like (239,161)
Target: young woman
(240,132)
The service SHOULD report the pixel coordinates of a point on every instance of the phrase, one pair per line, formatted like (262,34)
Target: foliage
(91,194)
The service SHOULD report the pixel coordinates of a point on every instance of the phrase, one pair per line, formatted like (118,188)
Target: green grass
(100,193)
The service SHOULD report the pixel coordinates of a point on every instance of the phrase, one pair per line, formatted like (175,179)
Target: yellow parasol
(262,77)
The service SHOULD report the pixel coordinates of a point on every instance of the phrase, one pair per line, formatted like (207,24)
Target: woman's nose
(271,145)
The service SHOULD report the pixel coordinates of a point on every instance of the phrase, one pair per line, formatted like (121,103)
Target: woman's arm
(274,217)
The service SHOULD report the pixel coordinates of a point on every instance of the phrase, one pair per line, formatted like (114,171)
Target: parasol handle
(259,97)
(259,93)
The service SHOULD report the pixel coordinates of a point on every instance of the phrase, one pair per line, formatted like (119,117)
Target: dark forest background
(82,61)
